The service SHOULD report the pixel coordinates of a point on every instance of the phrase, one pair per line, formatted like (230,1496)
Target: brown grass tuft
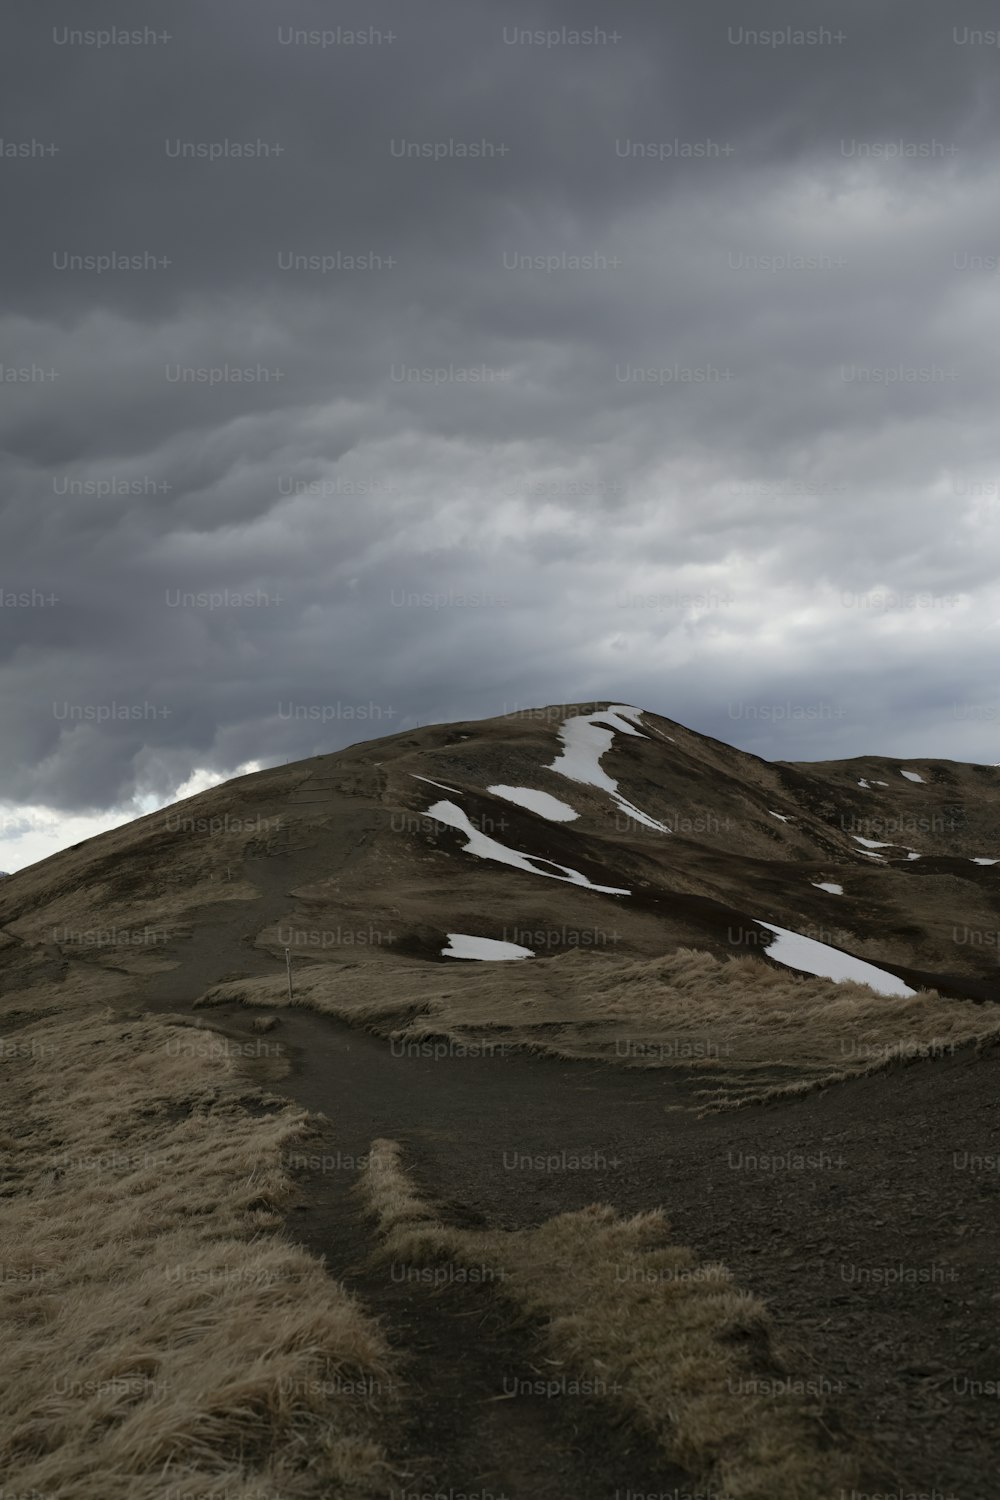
(668,1339)
(161,1336)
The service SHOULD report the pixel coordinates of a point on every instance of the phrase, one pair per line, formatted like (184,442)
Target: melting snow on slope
(828,885)
(536,802)
(481,845)
(830,963)
(779,815)
(912,775)
(586,738)
(439,784)
(463,945)
(979,860)
(871,843)
(864,783)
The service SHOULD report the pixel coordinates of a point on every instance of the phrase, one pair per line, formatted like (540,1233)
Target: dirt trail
(866,1216)
(465,1431)
(471,1426)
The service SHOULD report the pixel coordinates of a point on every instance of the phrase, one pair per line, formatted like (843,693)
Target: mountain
(584,825)
(620,857)
(531,983)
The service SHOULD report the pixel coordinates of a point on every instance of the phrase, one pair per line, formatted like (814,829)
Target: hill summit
(592,828)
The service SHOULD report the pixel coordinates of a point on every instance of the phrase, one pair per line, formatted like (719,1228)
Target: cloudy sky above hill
(433,361)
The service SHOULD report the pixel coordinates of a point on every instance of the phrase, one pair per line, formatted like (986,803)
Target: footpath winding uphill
(857,1213)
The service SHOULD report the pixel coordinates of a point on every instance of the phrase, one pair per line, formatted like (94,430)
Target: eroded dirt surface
(866,1216)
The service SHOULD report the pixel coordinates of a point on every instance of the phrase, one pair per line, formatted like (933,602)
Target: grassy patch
(739,1029)
(161,1337)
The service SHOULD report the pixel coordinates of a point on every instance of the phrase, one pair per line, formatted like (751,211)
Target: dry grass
(741,1029)
(84,985)
(391,1196)
(162,1339)
(673,1342)
(155,872)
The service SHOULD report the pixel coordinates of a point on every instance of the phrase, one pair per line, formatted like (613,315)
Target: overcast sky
(633,351)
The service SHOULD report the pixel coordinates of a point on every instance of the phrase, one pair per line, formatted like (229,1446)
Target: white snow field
(828,885)
(586,738)
(536,802)
(804,953)
(483,847)
(912,775)
(464,945)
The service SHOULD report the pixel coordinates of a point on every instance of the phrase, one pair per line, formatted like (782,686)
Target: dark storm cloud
(564,114)
(740,457)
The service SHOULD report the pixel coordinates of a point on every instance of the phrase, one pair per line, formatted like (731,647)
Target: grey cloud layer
(665,477)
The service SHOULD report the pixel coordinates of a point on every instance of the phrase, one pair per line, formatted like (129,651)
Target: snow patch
(439,784)
(828,885)
(483,847)
(635,714)
(586,738)
(864,783)
(799,952)
(536,802)
(912,775)
(779,815)
(872,843)
(464,945)
(979,860)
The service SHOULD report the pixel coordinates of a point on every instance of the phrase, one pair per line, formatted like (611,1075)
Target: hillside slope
(374,854)
(667,910)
